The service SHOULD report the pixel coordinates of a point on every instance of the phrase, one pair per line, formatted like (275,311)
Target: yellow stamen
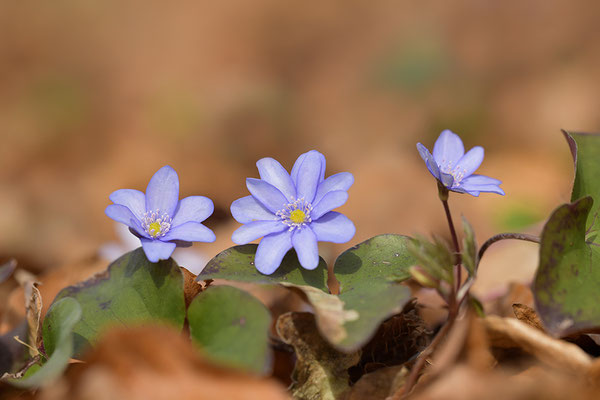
(154,229)
(297,216)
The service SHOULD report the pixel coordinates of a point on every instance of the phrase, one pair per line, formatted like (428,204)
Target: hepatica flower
(454,169)
(158,218)
(292,210)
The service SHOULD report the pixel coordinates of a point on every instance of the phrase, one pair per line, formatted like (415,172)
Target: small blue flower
(454,169)
(292,210)
(159,219)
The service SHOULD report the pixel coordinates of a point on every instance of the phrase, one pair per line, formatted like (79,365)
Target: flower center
(296,214)
(156,224)
(456,173)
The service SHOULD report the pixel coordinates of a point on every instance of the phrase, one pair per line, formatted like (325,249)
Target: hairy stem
(503,236)
(444,194)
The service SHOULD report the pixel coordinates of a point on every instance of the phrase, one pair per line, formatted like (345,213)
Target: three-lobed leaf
(568,276)
(369,275)
(237,264)
(231,327)
(131,291)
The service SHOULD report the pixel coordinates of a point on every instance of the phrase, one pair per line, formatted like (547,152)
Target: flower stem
(444,194)
(503,236)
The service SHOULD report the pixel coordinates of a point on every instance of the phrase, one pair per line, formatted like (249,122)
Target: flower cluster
(293,210)
(286,210)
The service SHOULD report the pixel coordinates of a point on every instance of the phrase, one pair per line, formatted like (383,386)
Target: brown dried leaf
(321,371)
(509,332)
(33,311)
(379,384)
(527,315)
(396,341)
(468,383)
(155,363)
(190,287)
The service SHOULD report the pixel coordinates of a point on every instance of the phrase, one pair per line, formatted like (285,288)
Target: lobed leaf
(231,326)
(568,276)
(237,264)
(131,291)
(369,275)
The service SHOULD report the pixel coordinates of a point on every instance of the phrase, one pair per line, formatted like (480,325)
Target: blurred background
(98,95)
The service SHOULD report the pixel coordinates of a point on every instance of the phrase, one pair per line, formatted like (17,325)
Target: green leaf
(231,326)
(586,148)
(369,276)
(568,276)
(237,264)
(131,291)
(61,319)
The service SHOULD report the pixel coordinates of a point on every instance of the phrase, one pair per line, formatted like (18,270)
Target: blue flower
(292,210)
(454,169)
(158,218)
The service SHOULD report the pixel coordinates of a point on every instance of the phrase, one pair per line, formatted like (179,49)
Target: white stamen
(456,172)
(298,204)
(163,220)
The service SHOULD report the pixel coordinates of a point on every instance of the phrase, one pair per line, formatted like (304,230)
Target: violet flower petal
(482,188)
(248,209)
(271,250)
(300,160)
(272,172)
(256,229)
(476,179)
(470,161)
(330,201)
(267,194)
(305,244)
(193,208)
(132,199)
(448,150)
(340,181)
(124,215)
(308,176)
(333,227)
(190,232)
(162,192)
(157,250)
(432,165)
(296,168)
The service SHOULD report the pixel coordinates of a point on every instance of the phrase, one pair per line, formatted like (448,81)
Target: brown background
(97,95)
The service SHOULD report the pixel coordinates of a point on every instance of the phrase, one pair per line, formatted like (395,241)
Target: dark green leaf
(568,276)
(237,264)
(231,327)
(131,291)
(369,276)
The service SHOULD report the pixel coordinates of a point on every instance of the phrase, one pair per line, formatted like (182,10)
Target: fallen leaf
(190,286)
(155,362)
(509,332)
(321,371)
(380,384)
(527,315)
